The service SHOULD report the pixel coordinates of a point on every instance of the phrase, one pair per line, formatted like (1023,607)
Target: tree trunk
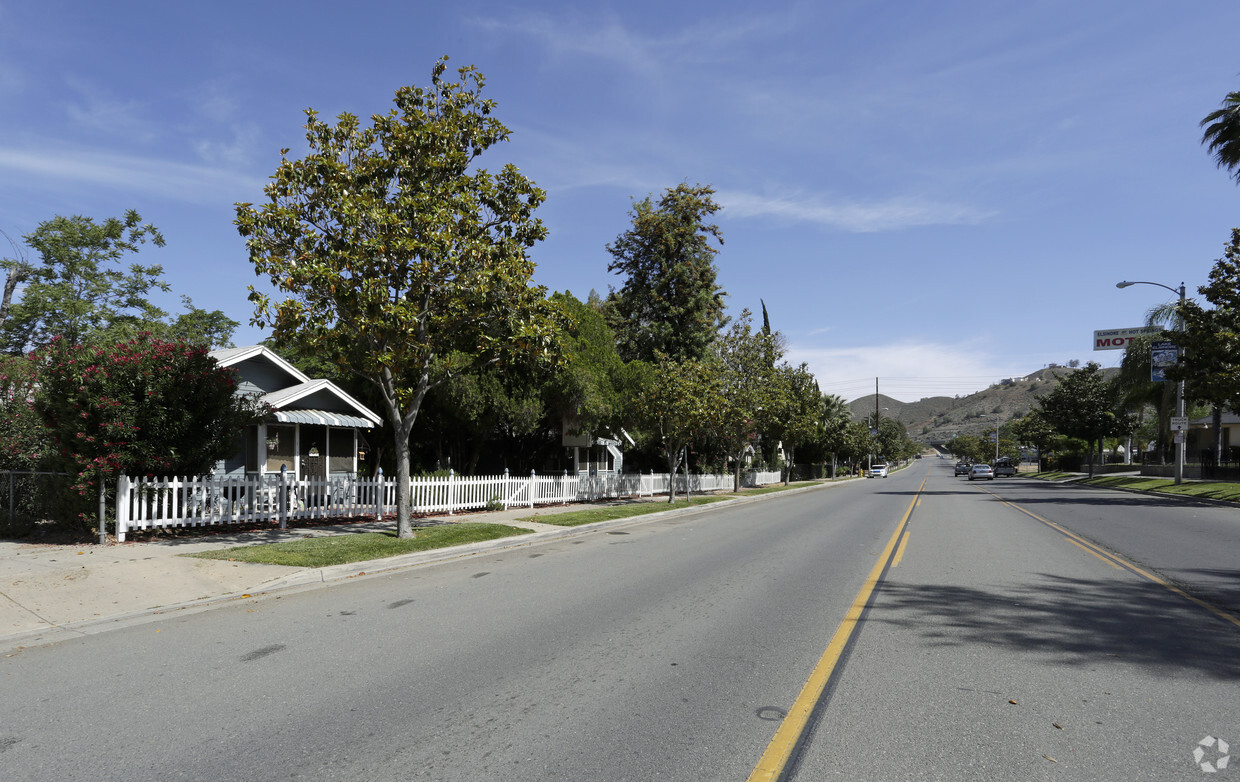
(673,464)
(404,518)
(1217,421)
(16,274)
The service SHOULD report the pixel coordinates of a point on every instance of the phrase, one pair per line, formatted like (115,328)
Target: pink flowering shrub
(142,407)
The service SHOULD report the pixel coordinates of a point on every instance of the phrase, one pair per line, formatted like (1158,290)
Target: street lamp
(1179,387)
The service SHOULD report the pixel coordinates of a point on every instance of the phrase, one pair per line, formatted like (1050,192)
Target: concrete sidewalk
(51,593)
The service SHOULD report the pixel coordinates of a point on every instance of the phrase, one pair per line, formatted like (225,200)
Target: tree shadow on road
(1069,621)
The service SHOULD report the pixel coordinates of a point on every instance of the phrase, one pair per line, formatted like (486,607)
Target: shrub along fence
(154,503)
(28,498)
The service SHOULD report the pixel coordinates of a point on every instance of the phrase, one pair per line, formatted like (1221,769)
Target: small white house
(315,427)
(590,455)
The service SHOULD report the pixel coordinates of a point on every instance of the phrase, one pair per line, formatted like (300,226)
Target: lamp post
(1179,387)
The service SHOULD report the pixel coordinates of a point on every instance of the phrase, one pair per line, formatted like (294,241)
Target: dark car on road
(962,468)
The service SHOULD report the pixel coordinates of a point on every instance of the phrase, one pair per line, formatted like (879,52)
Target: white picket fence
(151,503)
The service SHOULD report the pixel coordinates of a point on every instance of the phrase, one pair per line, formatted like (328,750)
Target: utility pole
(874,431)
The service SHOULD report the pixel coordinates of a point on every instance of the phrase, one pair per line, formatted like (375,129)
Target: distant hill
(937,419)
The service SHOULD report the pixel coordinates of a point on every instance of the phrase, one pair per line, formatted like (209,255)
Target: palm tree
(1222,134)
(835,416)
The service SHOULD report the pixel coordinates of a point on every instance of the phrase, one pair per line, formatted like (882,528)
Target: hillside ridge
(937,419)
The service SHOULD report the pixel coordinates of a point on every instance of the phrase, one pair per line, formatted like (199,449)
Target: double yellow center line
(791,731)
(775,760)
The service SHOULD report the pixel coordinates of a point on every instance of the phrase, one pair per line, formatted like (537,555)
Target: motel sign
(1118,339)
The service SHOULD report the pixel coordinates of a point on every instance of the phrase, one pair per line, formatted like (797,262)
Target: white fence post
(122,507)
(451,490)
(380,492)
(533,487)
(504,493)
(283,496)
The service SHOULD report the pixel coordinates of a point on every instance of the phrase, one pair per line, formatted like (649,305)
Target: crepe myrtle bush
(142,407)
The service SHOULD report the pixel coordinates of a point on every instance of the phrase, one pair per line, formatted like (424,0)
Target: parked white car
(981,472)
(878,471)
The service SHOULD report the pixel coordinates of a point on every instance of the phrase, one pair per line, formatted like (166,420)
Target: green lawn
(777,487)
(364,546)
(591,515)
(361,546)
(1229,492)
(576,518)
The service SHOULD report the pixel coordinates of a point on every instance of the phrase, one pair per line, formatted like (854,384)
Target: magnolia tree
(681,401)
(142,407)
(398,257)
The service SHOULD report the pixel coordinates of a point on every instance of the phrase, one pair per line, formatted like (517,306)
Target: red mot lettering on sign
(1117,339)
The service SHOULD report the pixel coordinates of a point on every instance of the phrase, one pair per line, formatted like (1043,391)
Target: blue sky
(938,194)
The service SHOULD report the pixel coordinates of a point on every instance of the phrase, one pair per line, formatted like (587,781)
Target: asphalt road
(673,649)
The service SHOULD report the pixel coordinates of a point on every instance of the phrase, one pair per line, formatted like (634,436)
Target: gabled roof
(228,357)
(304,387)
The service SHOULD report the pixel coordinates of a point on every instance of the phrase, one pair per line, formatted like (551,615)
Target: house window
(251,449)
(280,448)
(340,450)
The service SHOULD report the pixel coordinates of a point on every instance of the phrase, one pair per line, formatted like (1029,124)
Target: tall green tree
(798,405)
(1087,406)
(396,250)
(78,285)
(834,416)
(748,384)
(80,289)
(1222,134)
(670,301)
(1034,430)
(23,440)
(1209,339)
(680,402)
(590,388)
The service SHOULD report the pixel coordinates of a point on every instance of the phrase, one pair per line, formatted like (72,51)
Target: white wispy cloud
(178,181)
(233,140)
(235,151)
(605,37)
(96,110)
(892,214)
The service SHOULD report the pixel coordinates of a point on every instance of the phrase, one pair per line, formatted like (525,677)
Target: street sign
(1162,355)
(1179,423)
(1118,339)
